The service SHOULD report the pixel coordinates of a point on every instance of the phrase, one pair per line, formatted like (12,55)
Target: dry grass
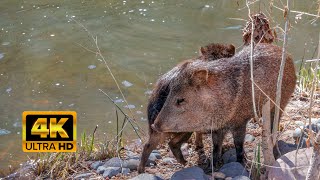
(66,165)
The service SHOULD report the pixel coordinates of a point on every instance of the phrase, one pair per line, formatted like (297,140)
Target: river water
(45,62)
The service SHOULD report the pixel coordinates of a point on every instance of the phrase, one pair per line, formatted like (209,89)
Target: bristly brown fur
(215,51)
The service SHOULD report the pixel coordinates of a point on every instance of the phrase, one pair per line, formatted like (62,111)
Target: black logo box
(68,127)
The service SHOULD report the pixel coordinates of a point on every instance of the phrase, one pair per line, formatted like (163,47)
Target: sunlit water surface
(44,65)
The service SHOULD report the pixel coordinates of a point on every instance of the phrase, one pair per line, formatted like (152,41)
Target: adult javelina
(159,95)
(216,96)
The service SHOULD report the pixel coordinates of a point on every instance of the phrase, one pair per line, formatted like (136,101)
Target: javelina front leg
(175,145)
(238,137)
(217,139)
(152,143)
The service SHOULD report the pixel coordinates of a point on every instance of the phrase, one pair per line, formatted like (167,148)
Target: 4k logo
(49,131)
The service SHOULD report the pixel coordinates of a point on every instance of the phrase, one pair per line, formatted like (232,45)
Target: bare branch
(266,143)
(251,63)
(279,82)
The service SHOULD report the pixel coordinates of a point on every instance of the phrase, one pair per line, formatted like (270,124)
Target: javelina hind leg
(152,143)
(199,141)
(217,139)
(175,145)
(238,137)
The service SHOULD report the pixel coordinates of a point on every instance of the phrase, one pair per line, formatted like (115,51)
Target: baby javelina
(215,51)
(159,96)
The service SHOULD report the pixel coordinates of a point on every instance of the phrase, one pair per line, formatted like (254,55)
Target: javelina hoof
(182,162)
(141,169)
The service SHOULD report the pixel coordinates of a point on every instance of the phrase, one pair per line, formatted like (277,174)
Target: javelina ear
(200,77)
(203,51)
(232,49)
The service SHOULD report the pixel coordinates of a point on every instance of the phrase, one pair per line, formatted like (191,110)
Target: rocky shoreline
(162,164)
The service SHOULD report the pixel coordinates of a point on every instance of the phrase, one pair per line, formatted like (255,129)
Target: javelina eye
(179,101)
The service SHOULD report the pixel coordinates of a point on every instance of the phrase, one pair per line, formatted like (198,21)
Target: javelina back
(159,95)
(216,96)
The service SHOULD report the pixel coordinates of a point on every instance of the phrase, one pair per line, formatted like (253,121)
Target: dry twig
(279,83)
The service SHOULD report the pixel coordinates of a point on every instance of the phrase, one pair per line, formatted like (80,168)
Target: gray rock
(315,121)
(229,156)
(218,175)
(241,178)
(156,151)
(284,166)
(125,171)
(190,173)
(297,133)
(146,176)
(101,169)
(96,164)
(169,160)
(134,157)
(114,162)
(83,175)
(249,138)
(284,148)
(233,169)
(111,171)
(131,155)
(153,157)
(158,156)
(132,164)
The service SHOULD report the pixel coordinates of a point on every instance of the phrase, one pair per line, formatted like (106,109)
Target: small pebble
(127,83)
(119,101)
(249,138)
(9,90)
(130,106)
(4,132)
(169,160)
(92,66)
(148,92)
(218,175)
